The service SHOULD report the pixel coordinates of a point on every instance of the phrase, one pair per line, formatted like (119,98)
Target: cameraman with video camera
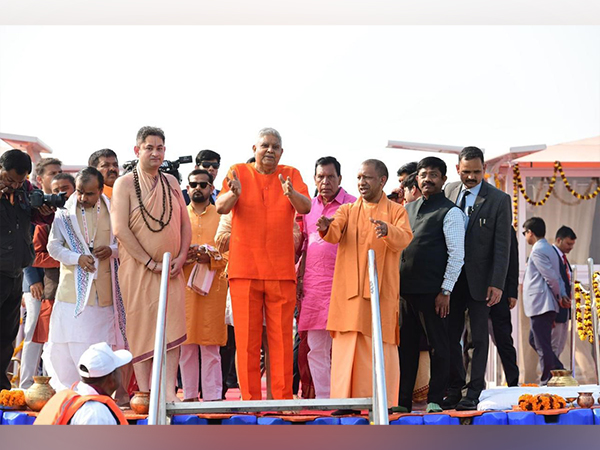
(16,250)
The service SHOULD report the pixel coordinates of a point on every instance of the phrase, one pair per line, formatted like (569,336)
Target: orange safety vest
(61,408)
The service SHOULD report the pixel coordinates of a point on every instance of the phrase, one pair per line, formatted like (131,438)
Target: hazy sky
(342,91)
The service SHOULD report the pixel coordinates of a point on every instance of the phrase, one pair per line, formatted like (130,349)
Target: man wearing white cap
(90,402)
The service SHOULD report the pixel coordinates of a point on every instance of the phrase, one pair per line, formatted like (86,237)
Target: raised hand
(286,185)
(234,184)
(381,228)
(323,223)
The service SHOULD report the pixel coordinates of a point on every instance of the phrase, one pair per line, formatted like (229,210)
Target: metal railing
(380,410)
(157,414)
(377,405)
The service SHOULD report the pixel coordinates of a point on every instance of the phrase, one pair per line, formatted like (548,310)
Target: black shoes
(466,404)
(450,402)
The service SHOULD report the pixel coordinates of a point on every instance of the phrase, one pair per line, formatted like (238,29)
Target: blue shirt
(470,201)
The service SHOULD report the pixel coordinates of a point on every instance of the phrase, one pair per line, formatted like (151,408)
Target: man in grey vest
(480,285)
(429,268)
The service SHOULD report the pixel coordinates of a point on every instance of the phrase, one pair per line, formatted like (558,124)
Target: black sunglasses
(525,232)
(203,184)
(214,165)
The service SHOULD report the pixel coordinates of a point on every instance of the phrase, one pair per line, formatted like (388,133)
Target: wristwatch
(446,292)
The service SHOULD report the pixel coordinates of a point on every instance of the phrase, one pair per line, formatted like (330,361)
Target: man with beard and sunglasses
(107,163)
(204,314)
(210,161)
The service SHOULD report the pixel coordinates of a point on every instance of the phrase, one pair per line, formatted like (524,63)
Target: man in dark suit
(563,244)
(481,283)
(501,319)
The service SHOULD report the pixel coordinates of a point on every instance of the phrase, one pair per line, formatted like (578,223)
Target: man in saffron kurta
(372,222)
(204,314)
(316,276)
(264,198)
(149,218)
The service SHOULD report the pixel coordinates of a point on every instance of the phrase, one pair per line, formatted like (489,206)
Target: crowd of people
(251,257)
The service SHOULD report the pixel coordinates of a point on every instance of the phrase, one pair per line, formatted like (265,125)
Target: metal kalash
(160,411)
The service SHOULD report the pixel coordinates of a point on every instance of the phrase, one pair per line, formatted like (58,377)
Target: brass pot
(140,402)
(585,399)
(39,393)
(562,377)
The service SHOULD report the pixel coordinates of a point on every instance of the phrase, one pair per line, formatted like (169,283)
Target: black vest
(423,262)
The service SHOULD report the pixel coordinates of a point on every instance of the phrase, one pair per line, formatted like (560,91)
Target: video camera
(170,167)
(37,198)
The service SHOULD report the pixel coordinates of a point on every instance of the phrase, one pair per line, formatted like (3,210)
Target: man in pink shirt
(317,277)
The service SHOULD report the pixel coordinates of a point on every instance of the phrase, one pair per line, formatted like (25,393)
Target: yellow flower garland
(585,327)
(12,398)
(558,169)
(572,191)
(541,402)
(519,183)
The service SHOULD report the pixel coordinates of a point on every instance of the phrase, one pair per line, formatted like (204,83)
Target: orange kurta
(350,308)
(262,276)
(205,314)
(349,317)
(262,241)
(107,190)
(140,287)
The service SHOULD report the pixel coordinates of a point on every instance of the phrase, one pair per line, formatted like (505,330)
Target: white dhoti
(70,336)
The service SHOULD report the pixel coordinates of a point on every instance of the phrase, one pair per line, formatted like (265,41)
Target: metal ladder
(160,411)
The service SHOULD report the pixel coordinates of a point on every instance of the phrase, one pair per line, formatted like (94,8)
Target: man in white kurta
(85,311)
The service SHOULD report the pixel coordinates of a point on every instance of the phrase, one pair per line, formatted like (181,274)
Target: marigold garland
(541,402)
(519,183)
(515,201)
(12,398)
(558,169)
(583,318)
(571,190)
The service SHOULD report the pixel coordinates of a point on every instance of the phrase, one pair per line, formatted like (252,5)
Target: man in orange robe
(204,314)
(372,222)
(264,198)
(149,218)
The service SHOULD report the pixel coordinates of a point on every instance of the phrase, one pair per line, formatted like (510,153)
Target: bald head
(379,166)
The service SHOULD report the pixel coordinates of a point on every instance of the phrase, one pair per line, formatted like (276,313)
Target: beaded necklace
(166,198)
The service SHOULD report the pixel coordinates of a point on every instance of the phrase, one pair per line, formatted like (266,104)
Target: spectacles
(525,232)
(206,165)
(203,184)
